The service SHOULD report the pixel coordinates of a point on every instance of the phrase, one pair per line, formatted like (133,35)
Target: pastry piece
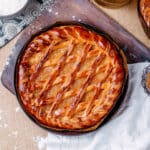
(144,14)
(148,81)
(69,78)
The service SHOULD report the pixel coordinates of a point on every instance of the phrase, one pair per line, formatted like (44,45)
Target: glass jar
(112,3)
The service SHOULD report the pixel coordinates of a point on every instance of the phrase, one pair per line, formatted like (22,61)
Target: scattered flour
(0,74)
(13,134)
(76,18)
(50,10)
(3,123)
(7,62)
(73,17)
(56,13)
(40,141)
(15,147)
(17,109)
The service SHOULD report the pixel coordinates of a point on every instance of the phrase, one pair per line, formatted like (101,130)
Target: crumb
(14,134)
(49,10)
(79,20)
(17,109)
(0,76)
(5,125)
(56,13)
(7,62)
(73,17)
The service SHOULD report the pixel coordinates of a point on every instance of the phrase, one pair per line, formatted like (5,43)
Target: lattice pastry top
(69,78)
(145,11)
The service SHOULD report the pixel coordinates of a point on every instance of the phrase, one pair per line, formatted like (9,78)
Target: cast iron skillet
(120,97)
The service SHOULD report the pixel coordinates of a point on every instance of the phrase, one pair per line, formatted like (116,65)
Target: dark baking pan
(56,25)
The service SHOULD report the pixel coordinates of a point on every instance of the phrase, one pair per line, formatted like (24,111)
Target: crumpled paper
(128,130)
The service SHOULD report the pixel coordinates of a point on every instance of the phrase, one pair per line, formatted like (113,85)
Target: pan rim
(91,28)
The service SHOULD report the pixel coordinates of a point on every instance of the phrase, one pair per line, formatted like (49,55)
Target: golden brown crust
(145,11)
(148,81)
(69,78)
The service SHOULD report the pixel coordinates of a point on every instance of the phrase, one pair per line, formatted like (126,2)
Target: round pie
(69,78)
(144,8)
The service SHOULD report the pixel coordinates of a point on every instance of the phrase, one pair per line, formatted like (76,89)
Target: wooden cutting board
(80,11)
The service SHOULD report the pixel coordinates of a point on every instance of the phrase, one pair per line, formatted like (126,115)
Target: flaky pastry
(69,78)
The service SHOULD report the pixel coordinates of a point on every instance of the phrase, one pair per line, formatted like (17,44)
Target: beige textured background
(17,131)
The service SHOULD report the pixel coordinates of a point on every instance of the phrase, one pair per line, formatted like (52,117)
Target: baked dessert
(148,81)
(70,77)
(144,12)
